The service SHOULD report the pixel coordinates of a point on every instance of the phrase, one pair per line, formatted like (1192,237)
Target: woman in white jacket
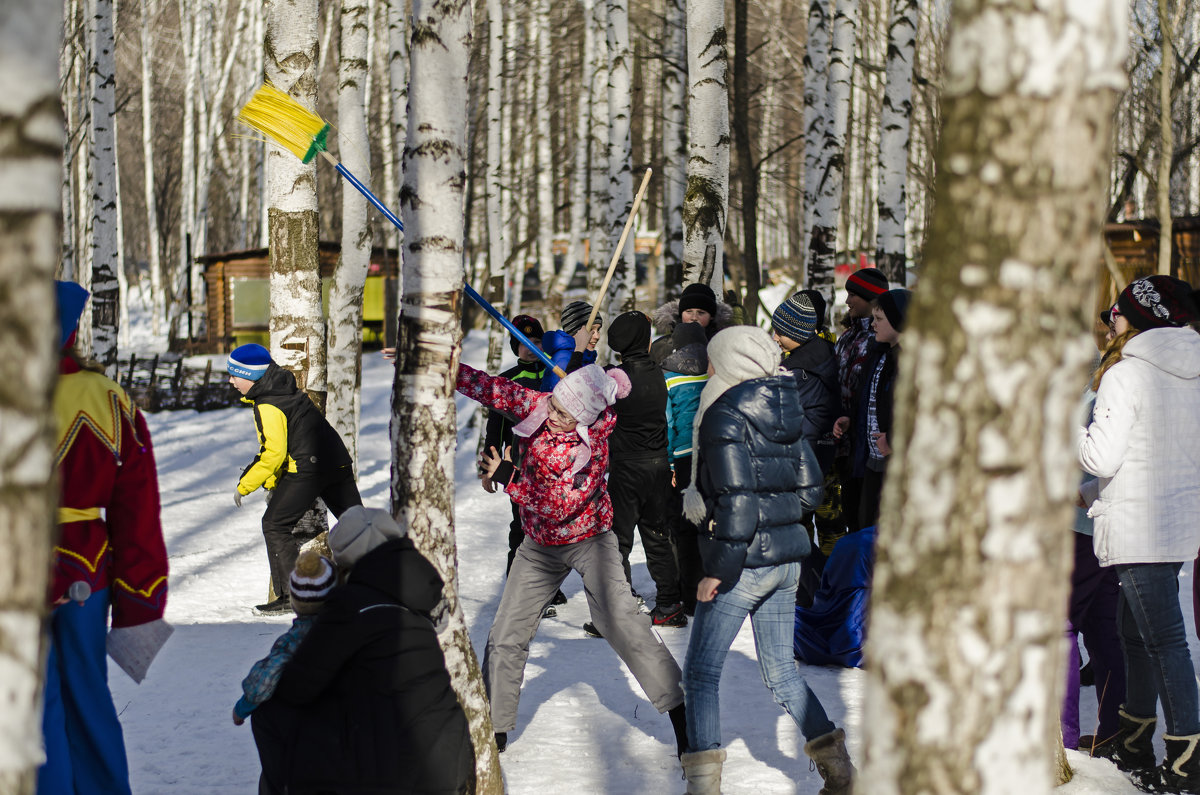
(1144,447)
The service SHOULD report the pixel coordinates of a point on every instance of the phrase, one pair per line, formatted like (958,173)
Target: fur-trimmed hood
(666,317)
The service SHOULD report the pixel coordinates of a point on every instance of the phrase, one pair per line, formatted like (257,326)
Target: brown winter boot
(828,753)
(702,769)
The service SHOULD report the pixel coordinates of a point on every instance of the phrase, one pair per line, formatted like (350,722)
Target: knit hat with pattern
(1157,302)
(867,283)
(311,581)
(575,314)
(795,318)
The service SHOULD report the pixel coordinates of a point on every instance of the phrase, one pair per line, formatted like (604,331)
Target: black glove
(504,473)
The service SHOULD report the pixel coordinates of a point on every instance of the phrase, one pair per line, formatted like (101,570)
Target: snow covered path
(584,725)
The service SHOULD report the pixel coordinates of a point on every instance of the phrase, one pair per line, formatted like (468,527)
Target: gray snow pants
(537,572)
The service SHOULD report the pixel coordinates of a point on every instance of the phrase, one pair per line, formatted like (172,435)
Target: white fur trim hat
(358,531)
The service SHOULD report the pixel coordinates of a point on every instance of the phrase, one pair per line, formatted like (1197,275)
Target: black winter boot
(1133,747)
(1179,772)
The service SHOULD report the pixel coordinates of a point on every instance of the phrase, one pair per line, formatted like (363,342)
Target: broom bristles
(285,121)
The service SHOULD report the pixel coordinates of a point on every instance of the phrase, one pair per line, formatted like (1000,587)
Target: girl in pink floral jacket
(567,516)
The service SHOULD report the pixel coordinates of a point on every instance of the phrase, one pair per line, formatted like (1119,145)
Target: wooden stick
(637,201)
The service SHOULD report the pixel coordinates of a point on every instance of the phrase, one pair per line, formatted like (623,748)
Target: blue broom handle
(365,191)
(517,335)
(476,297)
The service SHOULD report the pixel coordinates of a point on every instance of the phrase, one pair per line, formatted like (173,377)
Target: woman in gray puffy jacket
(755,477)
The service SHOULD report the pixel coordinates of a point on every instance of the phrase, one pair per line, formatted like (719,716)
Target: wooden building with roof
(237,293)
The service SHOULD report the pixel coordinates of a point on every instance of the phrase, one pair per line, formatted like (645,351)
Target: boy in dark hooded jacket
(639,479)
(300,458)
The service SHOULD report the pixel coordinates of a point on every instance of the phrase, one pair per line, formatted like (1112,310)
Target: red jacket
(556,507)
(109,527)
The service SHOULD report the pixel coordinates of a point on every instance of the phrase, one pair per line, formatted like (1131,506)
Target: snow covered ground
(584,726)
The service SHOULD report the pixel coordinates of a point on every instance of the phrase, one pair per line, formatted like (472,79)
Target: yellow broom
(281,118)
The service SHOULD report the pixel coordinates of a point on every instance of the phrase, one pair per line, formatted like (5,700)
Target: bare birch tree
(579,171)
(545,169)
(822,237)
(706,200)
(598,184)
(620,296)
(297,330)
(894,122)
(157,302)
(965,657)
(104,244)
(31,151)
(816,85)
(349,278)
(675,154)
(1166,156)
(495,286)
(428,341)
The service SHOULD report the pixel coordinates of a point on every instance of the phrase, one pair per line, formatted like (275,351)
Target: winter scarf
(737,354)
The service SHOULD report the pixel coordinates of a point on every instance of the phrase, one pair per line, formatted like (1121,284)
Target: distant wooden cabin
(237,285)
(1134,246)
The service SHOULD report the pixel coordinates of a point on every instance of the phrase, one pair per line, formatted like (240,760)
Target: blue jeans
(1157,661)
(768,596)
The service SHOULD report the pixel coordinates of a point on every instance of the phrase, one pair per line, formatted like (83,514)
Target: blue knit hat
(71,299)
(249,361)
(795,318)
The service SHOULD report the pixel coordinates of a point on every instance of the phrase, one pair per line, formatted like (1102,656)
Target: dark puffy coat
(376,712)
(815,369)
(758,476)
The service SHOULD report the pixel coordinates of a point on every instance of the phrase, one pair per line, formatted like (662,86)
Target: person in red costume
(110,553)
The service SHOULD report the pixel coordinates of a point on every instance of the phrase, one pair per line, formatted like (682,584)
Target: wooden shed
(237,290)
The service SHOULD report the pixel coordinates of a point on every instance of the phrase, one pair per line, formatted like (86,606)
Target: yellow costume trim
(149,590)
(90,564)
(90,400)
(66,515)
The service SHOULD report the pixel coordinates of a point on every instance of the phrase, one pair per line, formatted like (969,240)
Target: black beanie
(527,325)
(698,296)
(894,304)
(629,333)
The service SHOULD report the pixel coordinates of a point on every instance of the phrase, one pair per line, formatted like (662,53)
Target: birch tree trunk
(822,246)
(346,289)
(675,153)
(157,304)
(181,278)
(579,173)
(965,658)
(31,149)
(620,296)
(1166,148)
(296,326)
(894,122)
(428,342)
(706,200)
(545,163)
(105,251)
(747,164)
(816,86)
(495,287)
(598,242)
(397,40)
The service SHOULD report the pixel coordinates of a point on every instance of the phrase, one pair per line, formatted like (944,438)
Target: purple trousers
(1093,614)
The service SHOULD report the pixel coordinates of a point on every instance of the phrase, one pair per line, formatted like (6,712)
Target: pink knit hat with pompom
(589,390)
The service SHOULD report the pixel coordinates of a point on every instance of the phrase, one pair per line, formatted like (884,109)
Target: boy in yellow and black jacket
(300,458)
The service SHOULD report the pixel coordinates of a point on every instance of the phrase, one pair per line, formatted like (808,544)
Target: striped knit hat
(795,318)
(249,361)
(867,283)
(312,580)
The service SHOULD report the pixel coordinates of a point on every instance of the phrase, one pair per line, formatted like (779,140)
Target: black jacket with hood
(377,711)
(815,368)
(641,430)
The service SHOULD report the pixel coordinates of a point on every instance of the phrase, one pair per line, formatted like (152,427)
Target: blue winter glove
(558,345)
